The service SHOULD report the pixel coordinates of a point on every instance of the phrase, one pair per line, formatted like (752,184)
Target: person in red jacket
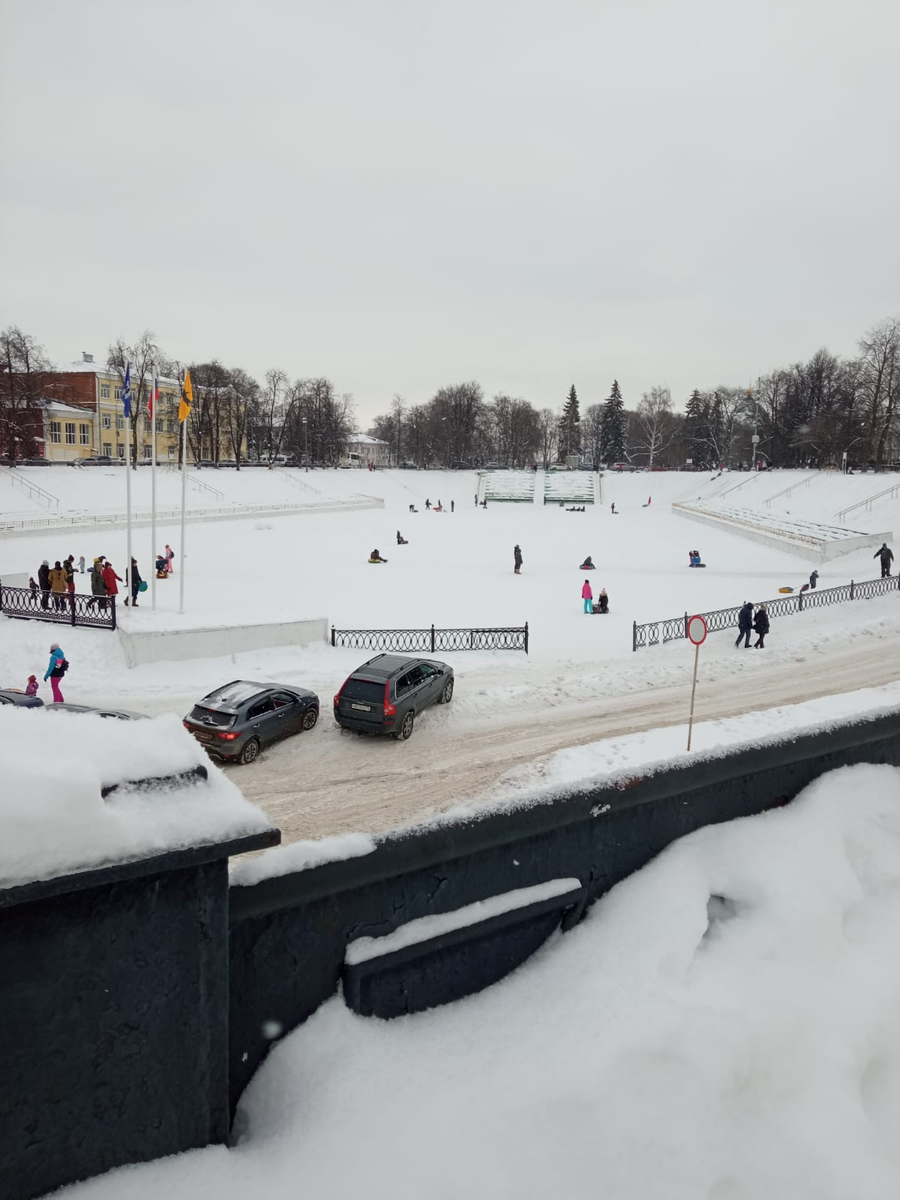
(109,579)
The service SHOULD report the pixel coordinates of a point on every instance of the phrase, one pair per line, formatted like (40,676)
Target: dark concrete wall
(113,1017)
(289,935)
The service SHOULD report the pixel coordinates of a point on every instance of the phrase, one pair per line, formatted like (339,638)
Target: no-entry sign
(696,630)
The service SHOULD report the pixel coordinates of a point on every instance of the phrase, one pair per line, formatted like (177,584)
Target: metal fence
(655,633)
(93,612)
(432,641)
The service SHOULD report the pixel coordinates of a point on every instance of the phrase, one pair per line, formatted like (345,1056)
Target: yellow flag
(187,397)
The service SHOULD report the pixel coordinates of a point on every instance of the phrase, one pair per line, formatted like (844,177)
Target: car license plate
(362,707)
(203,737)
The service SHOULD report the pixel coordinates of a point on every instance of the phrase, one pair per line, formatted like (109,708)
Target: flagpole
(183,500)
(154,402)
(129,420)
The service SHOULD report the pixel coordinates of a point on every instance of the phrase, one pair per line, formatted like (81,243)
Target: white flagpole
(129,421)
(183,500)
(152,559)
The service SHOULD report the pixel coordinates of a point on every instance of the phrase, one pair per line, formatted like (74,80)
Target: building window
(70,433)
(55,432)
(85,435)
(107,421)
(104,391)
(171,452)
(170,426)
(160,424)
(120,423)
(118,395)
(121,449)
(107,449)
(145,451)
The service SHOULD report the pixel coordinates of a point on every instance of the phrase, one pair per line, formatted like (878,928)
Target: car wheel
(249,753)
(406,727)
(310,717)
(447,693)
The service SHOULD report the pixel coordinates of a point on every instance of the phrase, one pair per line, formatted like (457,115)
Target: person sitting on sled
(587,565)
(375,557)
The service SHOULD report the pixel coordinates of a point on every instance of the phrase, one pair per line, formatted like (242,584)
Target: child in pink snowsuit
(588,597)
(32,686)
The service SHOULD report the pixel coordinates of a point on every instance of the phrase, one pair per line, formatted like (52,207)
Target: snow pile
(53,820)
(300,856)
(724,1025)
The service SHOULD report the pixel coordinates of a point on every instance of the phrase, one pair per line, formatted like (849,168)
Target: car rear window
(209,716)
(363,689)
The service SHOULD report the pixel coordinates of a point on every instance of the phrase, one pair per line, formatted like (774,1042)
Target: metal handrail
(654,633)
(67,608)
(201,486)
(894,490)
(33,489)
(432,640)
(306,487)
(787,491)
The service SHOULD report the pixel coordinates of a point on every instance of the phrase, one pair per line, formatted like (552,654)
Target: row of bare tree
(813,412)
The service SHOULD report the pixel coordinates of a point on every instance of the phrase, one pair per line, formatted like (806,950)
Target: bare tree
(654,426)
(24,383)
(881,381)
(548,424)
(142,355)
(240,411)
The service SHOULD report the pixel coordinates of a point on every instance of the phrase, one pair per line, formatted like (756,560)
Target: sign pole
(693,693)
(696,631)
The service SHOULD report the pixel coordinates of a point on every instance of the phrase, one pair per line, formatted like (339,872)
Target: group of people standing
(56,584)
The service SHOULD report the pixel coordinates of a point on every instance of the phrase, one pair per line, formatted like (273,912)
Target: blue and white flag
(126,391)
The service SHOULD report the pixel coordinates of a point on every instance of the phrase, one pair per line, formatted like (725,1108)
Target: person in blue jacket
(56,668)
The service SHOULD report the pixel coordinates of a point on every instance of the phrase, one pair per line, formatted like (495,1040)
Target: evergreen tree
(695,422)
(612,437)
(570,426)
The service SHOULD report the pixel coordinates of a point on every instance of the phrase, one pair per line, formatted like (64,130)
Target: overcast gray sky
(402,194)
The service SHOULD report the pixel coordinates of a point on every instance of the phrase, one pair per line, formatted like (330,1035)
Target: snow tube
(786,590)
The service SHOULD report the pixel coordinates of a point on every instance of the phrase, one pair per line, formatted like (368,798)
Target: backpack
(62,665)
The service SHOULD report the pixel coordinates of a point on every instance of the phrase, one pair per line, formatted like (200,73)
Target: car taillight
(229,737)
(187,727)
(337,698)
(390,710)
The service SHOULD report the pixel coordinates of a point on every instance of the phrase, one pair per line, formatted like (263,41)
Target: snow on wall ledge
(816,543)
(175,645)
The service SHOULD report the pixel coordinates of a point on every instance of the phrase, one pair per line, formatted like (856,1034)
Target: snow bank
(53,820)
(300,856)
(724,1025)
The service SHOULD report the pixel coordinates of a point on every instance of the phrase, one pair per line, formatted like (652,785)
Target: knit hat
(45,563)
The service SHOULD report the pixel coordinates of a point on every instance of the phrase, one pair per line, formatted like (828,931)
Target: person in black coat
(745,624)
(517,560)
(814,579)
(44,583)
(887,557)
(761,625)
(136,582)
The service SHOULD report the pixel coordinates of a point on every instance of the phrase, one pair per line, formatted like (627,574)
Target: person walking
(136,582)
(814,579)
(170,559)
(56,668)
(887,557)
(745,624)
(587,596)
(612,508)
(453,506)
(44,583)
(69,566)
(109,580)
(476,499)
(517,559)
(427,504)
(59,583)
(761,625)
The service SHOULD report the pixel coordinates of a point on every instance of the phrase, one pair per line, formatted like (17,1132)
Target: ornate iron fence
(431,640)
(96,612)
(653,633)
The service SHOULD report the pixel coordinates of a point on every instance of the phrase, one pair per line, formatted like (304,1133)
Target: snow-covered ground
(580,681)
(724,1025)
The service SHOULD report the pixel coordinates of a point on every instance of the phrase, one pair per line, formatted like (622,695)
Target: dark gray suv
(235,721)
(385,694)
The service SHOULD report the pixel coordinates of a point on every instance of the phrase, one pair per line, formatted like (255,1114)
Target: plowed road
(331,782)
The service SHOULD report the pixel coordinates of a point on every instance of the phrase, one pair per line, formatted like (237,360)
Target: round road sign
(696,630)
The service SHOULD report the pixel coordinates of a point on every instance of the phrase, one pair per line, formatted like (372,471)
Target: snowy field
(580,682)
(724,1025)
